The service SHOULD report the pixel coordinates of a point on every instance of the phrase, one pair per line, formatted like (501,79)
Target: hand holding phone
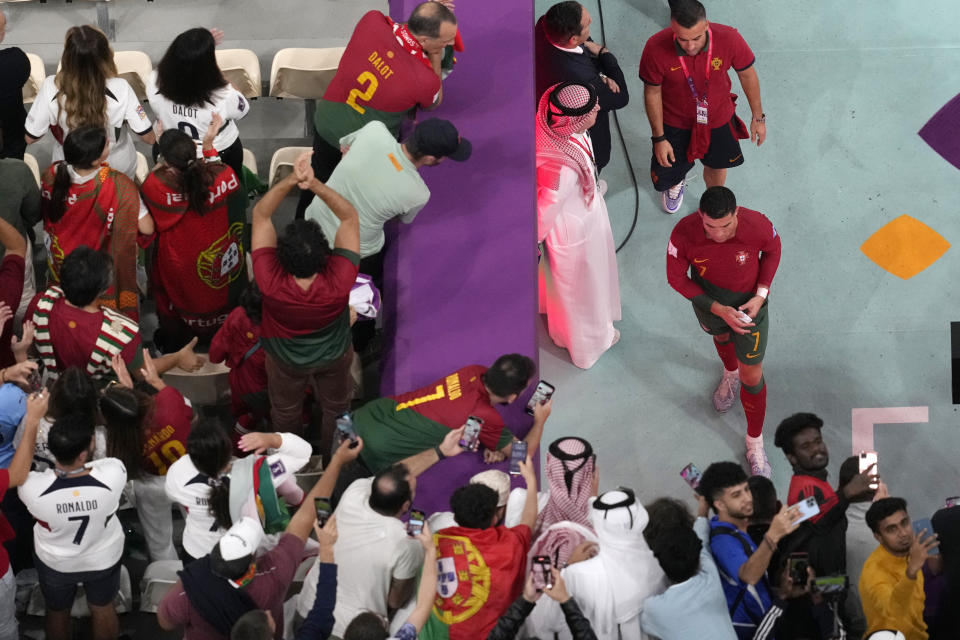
(924,525)
(518,453)
(324,510)
(542,576)
(797,566)
(868,464)
(806,508)
(471,433)
(692,475)
(415,523)
(541,394)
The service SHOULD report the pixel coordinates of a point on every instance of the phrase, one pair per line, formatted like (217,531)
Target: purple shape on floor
(460,282)
(942,132)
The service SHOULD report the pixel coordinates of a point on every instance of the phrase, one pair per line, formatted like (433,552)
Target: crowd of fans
(87,422)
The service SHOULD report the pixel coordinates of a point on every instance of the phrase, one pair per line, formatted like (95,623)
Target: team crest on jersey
(741,257)
(464,579)
(277,469)
(716,63)
(220,264)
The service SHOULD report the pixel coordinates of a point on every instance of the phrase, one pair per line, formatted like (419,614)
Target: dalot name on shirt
(189,112)
(384,69)
(76,505)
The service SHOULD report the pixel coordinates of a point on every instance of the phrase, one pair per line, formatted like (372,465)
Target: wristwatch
(603,76)
(762,119)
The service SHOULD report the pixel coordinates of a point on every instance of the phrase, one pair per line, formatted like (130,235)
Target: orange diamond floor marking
(905,247)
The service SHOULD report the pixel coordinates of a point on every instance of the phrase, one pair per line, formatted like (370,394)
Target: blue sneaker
(673,198)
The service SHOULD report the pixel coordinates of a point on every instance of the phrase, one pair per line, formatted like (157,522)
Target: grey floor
(845,89)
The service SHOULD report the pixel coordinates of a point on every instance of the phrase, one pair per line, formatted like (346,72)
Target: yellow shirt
(890,599)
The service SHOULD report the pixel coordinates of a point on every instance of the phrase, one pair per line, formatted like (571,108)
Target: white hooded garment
(610,587)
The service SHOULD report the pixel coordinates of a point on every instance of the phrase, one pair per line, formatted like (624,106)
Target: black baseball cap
(436,137)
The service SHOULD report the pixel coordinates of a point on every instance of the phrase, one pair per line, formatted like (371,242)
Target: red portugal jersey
(724,271)
(198,256)
(377,79)
(452,399)
(166,439)
(660,66)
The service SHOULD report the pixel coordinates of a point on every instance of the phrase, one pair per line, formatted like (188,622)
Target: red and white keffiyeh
(562,110)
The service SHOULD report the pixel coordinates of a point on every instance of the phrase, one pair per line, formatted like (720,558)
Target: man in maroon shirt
(305,325)
(732,254)
(686,92)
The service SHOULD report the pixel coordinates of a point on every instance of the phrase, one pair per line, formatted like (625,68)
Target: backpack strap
(748,550)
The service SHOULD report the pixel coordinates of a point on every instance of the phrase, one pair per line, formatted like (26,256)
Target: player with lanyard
(387,69)
(686,92)
(723,258)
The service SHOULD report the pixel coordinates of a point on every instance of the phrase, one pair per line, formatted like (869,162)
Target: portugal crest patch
(716,63)
(741,257)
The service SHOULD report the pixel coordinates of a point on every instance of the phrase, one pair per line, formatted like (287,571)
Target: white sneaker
(757,458)
(727,390)
(672,198)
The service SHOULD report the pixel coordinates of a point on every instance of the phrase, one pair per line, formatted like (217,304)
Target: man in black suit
(565,52)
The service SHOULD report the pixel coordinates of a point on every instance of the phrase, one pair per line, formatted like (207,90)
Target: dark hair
(210,451)
(665,514)
(84,275)
(366,626)
(790,427)
(391,489)
(510,374)
(191,177)
(252,302)
(718,477)
(82,149)
(849,469)
(410,144)
(253,625)
(687,13)
(302,249)
(883,508)
(764,498)
(562,21)
(678,552)
(126,413)
(69,437)
(229,569)
(717,202)
(474,506)
(74,392)
(188,73)
(426,18)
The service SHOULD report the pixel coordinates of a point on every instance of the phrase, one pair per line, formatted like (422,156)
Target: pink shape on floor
(864,419)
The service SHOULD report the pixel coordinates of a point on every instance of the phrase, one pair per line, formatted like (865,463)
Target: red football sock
(728,354)
(754,401)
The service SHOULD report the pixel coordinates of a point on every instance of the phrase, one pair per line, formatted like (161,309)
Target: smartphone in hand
(692,475)
(920,525)
(807,508)
(415,523)
(324,510)
(869,459)
(542,576)
(543,392)
(518,453)
(470,440)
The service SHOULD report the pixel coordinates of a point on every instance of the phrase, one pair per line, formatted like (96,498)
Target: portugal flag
(481,572)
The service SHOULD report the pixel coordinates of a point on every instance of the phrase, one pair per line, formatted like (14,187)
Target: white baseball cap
(496,480)
(242,539)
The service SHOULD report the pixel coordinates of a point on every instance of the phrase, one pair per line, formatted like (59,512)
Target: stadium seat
(241,68)
(143,167)
(157,580)
(250,161)
(281,165)
(34,166)
(37,73)
(134,67)
(303,73)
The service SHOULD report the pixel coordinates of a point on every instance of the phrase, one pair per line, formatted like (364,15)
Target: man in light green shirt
(379,176)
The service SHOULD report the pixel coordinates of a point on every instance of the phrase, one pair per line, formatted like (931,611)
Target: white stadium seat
(134,67)
(37,73)
(281,165)
(157,580)
(34,166)
(241,68)
(250,161)
(303,73)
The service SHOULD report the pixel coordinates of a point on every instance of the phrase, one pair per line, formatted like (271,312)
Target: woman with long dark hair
(199,270)
(187,88)
(209,483)
(87,91)
(148,425)
(85,202)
